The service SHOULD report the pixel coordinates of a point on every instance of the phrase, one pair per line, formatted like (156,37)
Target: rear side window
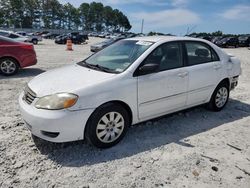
(199,53)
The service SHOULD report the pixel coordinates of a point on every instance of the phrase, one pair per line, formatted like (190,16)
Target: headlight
(56,101)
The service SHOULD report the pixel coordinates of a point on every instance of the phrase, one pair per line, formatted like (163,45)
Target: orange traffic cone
(69,45)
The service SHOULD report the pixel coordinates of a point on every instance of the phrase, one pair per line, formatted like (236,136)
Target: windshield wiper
(99,67)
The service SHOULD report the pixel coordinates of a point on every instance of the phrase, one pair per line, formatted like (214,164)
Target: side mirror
(147,69)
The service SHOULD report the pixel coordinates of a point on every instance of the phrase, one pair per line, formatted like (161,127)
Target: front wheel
(220,97)
(107,125)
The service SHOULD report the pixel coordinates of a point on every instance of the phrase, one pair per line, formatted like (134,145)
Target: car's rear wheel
(34,41)
(107,125)
(220,97)
(8,66)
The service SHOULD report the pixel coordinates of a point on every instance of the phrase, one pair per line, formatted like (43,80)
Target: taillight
(27,47)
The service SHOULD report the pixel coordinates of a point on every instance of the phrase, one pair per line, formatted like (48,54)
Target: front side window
(198,53)
(168,56)
(117,57)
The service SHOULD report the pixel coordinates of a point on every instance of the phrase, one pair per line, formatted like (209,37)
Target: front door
(164,90)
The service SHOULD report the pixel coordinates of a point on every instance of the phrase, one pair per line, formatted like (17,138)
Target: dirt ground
(194,148)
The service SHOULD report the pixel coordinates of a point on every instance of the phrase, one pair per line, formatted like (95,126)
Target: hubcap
(110,127)
(8,66)
(221,97)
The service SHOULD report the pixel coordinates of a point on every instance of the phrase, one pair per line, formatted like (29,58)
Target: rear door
(203,67)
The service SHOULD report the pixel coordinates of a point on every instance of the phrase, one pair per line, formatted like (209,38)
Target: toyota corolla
(131,81)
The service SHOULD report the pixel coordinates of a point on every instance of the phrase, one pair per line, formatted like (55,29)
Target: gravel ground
(193,148)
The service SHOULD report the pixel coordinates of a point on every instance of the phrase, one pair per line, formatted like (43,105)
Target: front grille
(29,95)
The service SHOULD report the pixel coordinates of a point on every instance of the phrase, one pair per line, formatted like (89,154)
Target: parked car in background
(76,38)
(13,36)
(93,34)
(129,82)
(102,35)
(22,36)
(15,55)
(244,40)
(228,42)
(101,45)
(42,33)
(23,33)
(33,38)
(209,38)
(216,38)
(50,35)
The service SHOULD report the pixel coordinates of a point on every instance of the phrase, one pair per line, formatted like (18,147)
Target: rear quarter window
(199,53)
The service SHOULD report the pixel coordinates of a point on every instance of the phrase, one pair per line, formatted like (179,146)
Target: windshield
(118,56)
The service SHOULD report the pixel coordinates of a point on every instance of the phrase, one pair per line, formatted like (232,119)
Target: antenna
(142,25)
(190,30)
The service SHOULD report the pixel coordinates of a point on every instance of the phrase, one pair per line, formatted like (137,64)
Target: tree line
(51,14)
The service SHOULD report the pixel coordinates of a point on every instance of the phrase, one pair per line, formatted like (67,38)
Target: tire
(220,97)
(101,127)
(8,66)
(35,41)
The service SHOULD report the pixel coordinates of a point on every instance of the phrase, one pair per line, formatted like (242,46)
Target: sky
(179,16)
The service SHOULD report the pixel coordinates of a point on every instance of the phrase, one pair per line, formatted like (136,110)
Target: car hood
(70,79)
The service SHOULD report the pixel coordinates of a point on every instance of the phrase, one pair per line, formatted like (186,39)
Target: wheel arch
(225,80)
(210,104)
(123,104)
(11,57)
(119,102)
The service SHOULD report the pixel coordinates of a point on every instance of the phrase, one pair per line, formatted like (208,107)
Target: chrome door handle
(183,74)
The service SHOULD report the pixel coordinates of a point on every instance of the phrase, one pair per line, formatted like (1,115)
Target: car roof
(8,39)
(165,38)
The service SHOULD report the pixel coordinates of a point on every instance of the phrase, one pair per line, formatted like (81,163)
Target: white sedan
(128,82)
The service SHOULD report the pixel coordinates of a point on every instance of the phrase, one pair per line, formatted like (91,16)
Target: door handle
(183,74)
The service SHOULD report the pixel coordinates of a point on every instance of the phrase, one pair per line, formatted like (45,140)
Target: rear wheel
(220,97)
(107,125)
(34,41)
(8,66)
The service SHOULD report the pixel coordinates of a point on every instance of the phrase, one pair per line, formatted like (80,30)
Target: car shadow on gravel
(27,72)
(143,137)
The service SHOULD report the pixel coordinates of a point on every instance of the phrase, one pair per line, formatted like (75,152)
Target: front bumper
(54,125)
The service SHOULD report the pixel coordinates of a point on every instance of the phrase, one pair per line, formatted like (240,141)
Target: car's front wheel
(220,97)
(107,125)
(8,66)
